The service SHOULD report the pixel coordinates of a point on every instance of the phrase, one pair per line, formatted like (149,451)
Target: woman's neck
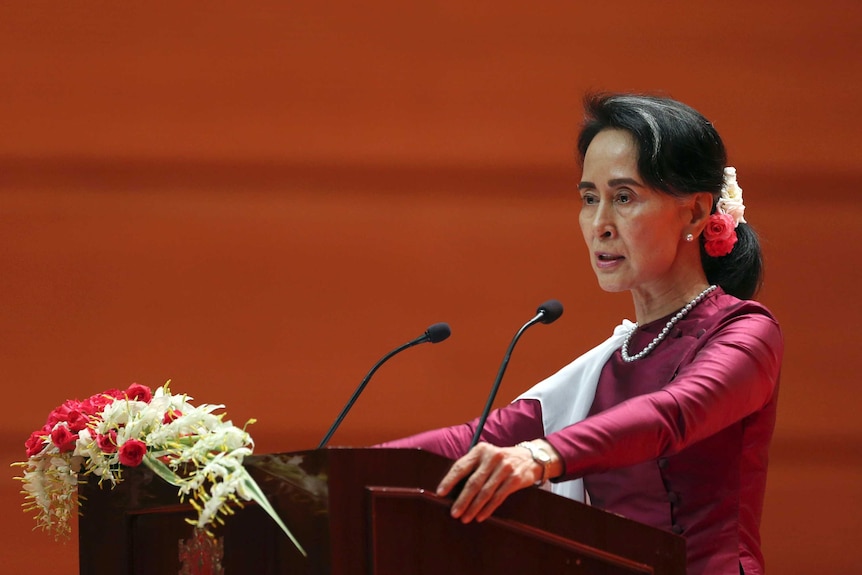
(651,305)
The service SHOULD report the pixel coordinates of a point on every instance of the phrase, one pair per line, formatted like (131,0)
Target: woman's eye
(589,199)
(624,198)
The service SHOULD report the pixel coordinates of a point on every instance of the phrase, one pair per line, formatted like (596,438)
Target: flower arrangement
(189,447)
(720,233)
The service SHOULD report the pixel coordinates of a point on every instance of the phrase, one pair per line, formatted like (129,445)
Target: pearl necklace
(658,339)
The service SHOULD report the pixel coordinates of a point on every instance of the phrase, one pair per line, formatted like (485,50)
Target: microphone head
(551,310)
(438,332)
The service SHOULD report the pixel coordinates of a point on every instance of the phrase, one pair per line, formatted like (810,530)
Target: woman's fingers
(459,470)
(490,496)
(478,489)
(492,474)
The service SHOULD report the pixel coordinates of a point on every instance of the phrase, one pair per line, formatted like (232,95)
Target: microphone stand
(436,333)
(547,313)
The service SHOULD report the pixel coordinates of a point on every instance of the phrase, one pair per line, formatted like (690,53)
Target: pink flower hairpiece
(720,233)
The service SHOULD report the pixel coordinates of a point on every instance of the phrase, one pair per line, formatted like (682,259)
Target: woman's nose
(603,224)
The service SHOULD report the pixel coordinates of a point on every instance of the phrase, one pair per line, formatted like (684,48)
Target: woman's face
(633,232)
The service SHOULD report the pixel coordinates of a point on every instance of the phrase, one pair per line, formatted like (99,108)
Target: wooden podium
(363,512)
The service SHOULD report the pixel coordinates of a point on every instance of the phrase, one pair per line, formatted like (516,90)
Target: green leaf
(258,497)
(251,486)
(162,470)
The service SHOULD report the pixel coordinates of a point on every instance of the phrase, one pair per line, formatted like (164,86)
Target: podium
(361,512)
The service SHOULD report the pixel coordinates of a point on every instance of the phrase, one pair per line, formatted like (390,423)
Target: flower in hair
(730,201)
(719,236)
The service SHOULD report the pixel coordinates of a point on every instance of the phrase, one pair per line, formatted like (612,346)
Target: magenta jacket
(678,439)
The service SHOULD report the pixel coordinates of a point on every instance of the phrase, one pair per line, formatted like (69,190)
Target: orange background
(258,202)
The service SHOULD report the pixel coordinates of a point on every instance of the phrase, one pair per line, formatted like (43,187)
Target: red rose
(96,403)
(36,443)
(139,392)
(77,420)
(63,438)
(61,412)
(170,415)
(719,235)
(132,452)
(108,442)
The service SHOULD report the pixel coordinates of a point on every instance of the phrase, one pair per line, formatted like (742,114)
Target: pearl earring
(689,237)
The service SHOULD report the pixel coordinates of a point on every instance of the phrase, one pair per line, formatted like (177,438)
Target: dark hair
(679,153)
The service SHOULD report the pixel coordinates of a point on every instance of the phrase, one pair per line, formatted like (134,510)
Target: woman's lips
(606,260)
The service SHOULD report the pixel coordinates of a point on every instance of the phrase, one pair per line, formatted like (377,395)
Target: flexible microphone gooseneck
(434,334)
(548,312)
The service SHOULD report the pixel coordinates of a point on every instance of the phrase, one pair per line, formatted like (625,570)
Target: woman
(668,422)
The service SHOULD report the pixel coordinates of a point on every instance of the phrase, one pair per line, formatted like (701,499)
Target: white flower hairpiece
(730,201)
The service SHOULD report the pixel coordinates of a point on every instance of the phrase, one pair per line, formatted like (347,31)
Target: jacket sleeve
(518,421)
(734,374)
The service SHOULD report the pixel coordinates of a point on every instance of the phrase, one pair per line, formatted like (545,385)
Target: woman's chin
(612,286)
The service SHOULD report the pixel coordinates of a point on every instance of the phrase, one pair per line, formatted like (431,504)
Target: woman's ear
(701,208)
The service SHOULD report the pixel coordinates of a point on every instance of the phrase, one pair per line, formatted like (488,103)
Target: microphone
(548,312)
(434,334)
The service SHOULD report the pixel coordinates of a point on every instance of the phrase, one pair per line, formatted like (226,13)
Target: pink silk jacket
(678,439)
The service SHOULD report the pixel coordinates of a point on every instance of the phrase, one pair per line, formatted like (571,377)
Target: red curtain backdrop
(257,202)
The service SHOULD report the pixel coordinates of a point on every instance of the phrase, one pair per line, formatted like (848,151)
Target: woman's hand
(494,473)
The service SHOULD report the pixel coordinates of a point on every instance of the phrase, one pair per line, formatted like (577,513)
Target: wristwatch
(541,457)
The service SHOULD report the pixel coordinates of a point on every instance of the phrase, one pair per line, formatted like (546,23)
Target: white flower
(730,201)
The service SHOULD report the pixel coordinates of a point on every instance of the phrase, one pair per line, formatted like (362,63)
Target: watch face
(536,452)
(542,455)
